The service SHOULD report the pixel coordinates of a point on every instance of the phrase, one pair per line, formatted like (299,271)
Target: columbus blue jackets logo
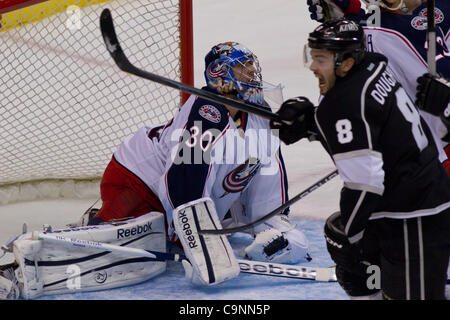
(217,70)
(210,113)
(239,178)
(420,21)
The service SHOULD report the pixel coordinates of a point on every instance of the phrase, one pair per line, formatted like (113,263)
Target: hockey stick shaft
(106,247)
(431,37)
(116,52)
(246,266)
(287,204)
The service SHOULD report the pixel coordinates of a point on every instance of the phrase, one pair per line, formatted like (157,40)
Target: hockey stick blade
(287,204)
(116,52)
(288,271)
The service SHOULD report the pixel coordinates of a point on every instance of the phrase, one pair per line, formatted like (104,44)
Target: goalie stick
(431,37)
(246,266)
(116,52)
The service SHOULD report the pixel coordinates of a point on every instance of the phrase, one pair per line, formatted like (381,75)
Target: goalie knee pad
(48,268)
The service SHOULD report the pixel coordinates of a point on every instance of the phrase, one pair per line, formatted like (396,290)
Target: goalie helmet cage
(64,105)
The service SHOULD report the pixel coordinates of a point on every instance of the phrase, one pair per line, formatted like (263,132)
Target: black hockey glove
(351,260)
(433,94)
(298,116)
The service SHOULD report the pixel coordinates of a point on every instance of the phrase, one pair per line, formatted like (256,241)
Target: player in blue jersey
(352,10)
(399,33)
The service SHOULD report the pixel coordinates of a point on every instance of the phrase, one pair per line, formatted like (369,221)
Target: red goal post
(64,104)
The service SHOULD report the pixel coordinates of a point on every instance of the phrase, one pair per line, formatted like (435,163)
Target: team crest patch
(210,113)
(239,178)
(420,22)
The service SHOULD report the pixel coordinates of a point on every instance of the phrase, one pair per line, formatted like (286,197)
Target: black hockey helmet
(343,37)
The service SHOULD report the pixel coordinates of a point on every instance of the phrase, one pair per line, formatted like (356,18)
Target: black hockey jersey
(382,148)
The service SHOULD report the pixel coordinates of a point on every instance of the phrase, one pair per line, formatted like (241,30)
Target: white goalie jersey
(203,152)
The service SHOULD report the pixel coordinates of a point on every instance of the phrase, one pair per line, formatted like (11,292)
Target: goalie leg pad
(211,256)
(48,268)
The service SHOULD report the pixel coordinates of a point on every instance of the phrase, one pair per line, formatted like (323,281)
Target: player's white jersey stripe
(406,240)
(421,271)
(361,170)
(363,102)
(355,238)
(411,214)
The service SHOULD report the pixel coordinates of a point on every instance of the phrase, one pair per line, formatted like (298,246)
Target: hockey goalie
(210,167)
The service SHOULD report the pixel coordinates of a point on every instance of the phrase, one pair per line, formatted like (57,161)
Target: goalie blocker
(46,268)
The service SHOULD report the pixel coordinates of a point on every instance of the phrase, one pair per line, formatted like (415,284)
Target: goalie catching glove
(269,245)
(211,258)
(277,240)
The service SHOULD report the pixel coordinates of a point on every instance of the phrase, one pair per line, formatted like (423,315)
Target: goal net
(64,105)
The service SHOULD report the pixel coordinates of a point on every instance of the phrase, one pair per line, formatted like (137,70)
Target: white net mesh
(64,105)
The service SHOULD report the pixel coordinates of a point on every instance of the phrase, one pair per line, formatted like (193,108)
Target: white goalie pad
(48,268)
(211,256)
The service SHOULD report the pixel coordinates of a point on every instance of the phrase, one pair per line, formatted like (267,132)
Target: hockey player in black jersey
(394,205)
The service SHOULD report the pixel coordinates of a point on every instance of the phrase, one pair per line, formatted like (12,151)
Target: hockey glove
(298,116)
(269,245)
(433,95)
(351,260)
(321,10)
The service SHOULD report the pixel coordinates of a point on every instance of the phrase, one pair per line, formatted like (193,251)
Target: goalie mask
(343,37)
(232,69)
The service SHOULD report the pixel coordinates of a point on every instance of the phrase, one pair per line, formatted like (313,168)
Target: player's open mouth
(321,82)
